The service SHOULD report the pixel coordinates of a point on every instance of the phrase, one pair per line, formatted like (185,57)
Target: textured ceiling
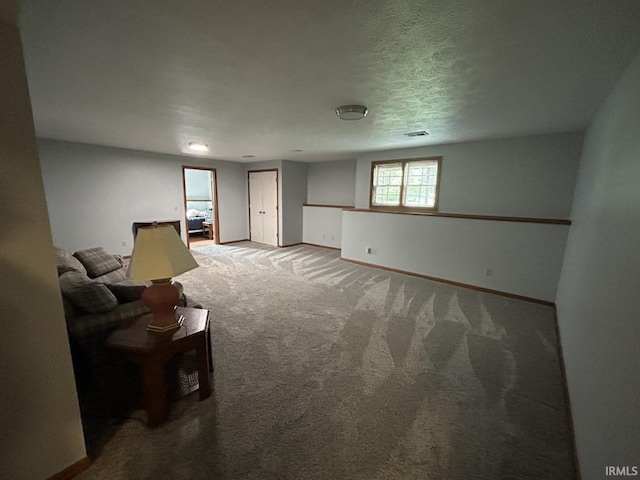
(263,78)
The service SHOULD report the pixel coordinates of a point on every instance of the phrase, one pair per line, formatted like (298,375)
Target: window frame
(403,186)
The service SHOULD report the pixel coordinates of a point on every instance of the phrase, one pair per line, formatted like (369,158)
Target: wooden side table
(151,351)
(207,229)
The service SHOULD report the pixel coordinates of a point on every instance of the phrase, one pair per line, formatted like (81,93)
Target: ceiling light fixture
(198,147)
(351,112)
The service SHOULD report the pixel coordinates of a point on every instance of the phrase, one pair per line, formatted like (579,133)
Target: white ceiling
(263,77)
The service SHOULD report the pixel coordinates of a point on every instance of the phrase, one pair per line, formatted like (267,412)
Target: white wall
(599,295)
(95,193)
(526,258)
(523,177)
(39,418)
(332,183)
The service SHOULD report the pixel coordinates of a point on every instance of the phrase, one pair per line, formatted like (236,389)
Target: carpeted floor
(329,370)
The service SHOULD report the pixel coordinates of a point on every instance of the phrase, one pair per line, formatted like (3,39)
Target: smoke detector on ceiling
(351,112)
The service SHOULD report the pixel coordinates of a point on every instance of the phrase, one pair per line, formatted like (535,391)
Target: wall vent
(421,133)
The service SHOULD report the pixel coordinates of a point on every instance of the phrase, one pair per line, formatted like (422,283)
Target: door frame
(215,201)
(278,244)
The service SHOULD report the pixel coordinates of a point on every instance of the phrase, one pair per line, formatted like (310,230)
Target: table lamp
(158,255)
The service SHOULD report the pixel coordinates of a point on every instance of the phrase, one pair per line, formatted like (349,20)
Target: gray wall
(294,196)
(598,298)
(39,418)
(524,258)
(526,176)
(95,193)
(521,177)
(332,183)
(328,183)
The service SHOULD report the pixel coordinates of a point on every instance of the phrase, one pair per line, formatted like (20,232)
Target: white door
(263,206)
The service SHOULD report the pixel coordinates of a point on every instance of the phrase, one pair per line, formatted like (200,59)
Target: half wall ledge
(495,218)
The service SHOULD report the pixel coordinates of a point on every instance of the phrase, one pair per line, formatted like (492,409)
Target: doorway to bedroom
(200,206)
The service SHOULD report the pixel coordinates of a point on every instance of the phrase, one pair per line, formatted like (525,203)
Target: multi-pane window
(406,183)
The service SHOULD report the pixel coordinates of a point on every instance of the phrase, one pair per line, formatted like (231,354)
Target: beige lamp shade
(159,253)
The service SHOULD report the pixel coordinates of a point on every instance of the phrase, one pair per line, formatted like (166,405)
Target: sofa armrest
(98,325)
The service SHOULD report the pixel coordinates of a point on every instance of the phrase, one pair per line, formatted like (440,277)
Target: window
(405,184)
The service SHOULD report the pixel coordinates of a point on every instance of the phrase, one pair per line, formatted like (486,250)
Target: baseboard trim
(72,470)
(567,398)
(290,245)
(322,246)
(454,283)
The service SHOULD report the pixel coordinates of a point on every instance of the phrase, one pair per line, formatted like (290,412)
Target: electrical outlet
(124,243)
(488,272)
(367,250)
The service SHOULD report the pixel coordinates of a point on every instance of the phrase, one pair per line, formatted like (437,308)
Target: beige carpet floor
(329,370)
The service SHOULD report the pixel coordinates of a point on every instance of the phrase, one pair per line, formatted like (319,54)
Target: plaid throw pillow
(97,261)
(65,262)
(87,295)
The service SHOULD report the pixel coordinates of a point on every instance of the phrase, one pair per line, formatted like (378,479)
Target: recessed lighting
(297,150)
(248,156)
(351,112)
(198,147)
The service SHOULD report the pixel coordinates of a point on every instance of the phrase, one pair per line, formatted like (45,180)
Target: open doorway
(201,206)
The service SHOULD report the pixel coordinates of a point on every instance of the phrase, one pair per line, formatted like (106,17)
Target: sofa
(98,298)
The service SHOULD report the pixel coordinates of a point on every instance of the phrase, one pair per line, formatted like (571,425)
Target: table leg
(207,332)
(155,396)
(204,389)
(115,395)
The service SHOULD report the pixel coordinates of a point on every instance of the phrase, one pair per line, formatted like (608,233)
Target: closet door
(270,207)
(263,206)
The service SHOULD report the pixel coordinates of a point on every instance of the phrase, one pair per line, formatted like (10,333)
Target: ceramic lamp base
(161,298)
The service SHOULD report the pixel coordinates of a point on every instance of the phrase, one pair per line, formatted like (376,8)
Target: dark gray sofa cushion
(117,276)
(126,292)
